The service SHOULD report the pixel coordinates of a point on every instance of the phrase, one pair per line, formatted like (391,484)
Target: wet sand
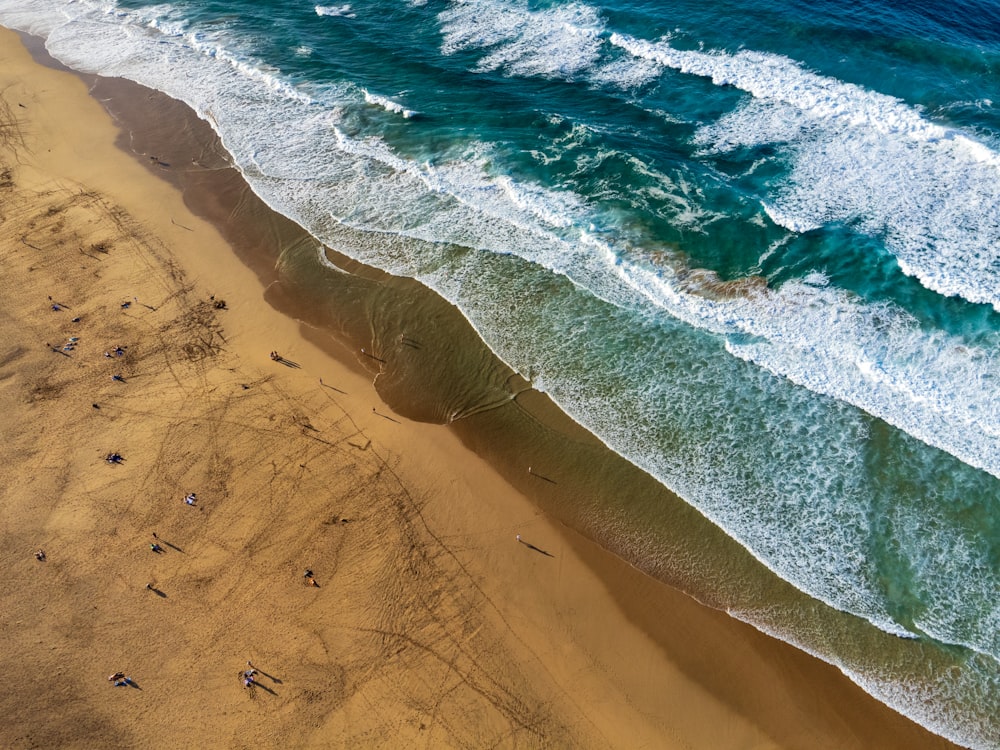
(431,623)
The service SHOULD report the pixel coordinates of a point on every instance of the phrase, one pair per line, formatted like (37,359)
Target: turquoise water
(753,247)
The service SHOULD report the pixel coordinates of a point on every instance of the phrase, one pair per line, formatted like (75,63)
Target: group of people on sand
(248,675)
(120,679)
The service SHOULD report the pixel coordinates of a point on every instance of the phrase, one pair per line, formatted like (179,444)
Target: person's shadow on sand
(255,684)
(532,547)
(172,546)
(285,361)
(272,678)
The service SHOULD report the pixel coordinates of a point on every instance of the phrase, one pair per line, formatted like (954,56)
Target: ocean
(753,248)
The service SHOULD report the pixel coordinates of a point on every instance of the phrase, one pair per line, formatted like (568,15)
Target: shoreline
(597,646)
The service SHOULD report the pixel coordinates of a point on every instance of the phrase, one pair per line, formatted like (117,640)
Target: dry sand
(430,626)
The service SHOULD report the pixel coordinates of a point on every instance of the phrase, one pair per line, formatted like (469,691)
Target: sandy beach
(442,606)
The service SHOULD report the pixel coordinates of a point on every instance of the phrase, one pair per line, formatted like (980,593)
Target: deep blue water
(840,420)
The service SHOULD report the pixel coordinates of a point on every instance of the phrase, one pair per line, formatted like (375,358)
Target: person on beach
(190,499)
(114,458)
(40,555)
(275,356)
(156,547)
(118,678)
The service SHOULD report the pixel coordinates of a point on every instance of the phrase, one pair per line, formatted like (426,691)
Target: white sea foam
(388,104)
(560,41)
(335,11)
(874,356)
